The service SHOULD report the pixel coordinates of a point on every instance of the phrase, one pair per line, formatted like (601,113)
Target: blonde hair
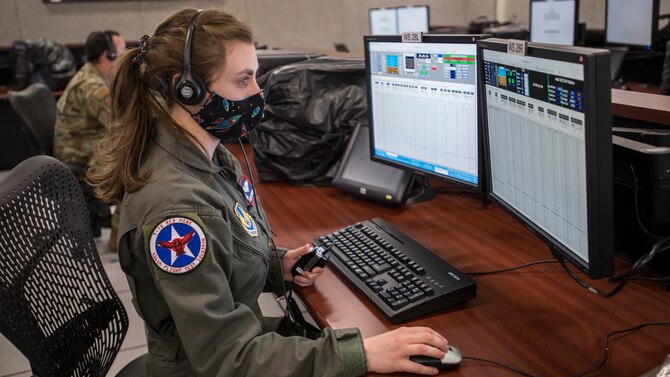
(137,107)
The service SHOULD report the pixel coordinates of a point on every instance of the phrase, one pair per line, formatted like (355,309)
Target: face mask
(229,120)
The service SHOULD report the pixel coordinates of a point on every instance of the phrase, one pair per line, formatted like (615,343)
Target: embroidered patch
(248,190)
(177,245)
(246,220)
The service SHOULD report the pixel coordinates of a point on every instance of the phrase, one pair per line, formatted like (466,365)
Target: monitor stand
(420,190)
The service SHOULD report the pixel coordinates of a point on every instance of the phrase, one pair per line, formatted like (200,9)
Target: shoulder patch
(246,220)
(177,245)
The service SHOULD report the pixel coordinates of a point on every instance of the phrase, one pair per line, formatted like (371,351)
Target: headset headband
(189,42)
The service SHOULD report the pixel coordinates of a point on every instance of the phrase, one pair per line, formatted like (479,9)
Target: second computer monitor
(422,105)
(554,21)
(383,21)
(549,145)
(414,18)
(632,23)
(394,21)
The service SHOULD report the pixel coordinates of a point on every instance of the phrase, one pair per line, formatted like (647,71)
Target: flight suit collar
(184,149)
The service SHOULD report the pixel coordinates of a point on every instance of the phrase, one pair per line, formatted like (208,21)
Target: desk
(536,318)
(645,107)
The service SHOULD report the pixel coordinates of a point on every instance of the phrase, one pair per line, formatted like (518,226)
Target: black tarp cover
(310,113)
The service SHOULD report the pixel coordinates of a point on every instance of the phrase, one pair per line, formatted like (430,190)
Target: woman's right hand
(389,352)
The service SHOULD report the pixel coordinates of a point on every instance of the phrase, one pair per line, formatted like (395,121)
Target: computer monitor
(422,106)
(413,18)
(383,21)
(554,21)
(548,146)
(632,23)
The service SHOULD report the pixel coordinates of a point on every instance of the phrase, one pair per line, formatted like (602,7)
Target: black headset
(189,89)
(111,49)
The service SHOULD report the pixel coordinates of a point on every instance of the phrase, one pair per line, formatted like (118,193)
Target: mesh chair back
(36,106)
(58,306)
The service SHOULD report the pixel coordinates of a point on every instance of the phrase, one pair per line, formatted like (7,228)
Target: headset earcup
(189,89)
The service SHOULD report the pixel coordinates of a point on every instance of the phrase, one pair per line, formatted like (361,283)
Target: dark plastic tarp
(310,113)
(41,60)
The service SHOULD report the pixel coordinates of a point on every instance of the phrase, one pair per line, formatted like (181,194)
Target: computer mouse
(451,360)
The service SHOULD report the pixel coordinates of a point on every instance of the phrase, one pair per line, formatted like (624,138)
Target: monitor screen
(553,21)
(413,19)
(549,148)
(383,21)
(422,104)
(631,23)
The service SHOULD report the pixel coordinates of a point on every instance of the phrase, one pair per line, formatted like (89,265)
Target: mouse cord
(625,333)
(519,371)
(511,268)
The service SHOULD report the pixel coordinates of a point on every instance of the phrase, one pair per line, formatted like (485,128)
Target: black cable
(519,371)
(591,288)
(657,248)
(511,268)
(258,204)
(626,332)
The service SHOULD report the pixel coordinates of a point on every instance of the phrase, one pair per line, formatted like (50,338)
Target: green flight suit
(83,111)
(207,321)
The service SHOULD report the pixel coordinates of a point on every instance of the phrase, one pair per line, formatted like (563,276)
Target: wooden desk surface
(654,108)
(536,319)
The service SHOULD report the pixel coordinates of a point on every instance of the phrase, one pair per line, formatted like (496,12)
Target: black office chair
(58,307)
(36,106)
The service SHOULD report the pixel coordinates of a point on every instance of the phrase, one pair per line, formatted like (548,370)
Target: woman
(193,241)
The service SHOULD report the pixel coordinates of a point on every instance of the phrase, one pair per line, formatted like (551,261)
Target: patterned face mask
(229,120)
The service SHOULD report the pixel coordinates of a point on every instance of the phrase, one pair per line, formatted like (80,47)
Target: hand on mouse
(390,352)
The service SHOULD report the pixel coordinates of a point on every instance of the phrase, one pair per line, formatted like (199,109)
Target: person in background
(194,241)
(83,112)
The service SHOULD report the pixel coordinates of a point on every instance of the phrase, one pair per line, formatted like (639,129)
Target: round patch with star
(177,245)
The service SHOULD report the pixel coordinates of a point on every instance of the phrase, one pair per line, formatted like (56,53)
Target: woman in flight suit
(193,240)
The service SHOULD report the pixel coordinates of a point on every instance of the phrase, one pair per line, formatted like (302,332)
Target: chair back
(58,306)
(36,106)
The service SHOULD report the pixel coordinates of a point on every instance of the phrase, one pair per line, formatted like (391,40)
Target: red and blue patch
(248,190)
(177,245)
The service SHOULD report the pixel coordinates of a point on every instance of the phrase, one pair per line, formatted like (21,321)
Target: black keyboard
(400,277)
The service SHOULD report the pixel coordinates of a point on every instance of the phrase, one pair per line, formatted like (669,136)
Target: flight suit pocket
(164,351)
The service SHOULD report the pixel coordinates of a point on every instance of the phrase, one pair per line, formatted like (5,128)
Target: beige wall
(313,24)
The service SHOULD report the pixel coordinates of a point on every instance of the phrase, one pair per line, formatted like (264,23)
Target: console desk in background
(536,319)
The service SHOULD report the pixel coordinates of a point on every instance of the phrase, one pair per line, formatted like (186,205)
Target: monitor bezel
(598,139)
(575,31)
(412,6)
(427,38)
(654,29)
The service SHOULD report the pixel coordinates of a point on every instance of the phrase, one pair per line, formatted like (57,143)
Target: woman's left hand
(307,278)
